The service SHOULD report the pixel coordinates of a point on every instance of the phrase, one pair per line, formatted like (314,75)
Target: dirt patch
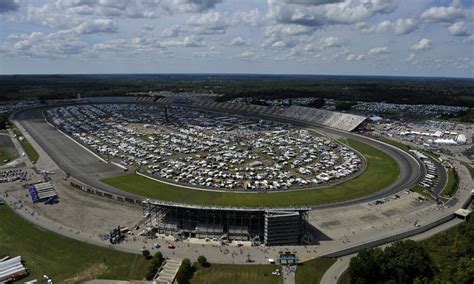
(87,274)
(330,224)
(369,218)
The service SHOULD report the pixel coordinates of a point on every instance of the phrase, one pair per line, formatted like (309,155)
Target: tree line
(449,91)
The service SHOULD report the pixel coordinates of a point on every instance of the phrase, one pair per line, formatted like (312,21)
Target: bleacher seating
(337,120)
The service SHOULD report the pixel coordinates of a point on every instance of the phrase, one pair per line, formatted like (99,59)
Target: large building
(282,226)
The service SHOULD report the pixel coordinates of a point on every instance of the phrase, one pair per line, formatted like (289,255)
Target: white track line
(72,139)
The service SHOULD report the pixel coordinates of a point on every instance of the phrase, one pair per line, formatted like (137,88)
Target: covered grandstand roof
(338,120)
(41,191)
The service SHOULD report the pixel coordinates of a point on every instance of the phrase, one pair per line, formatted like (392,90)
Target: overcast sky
(359,37)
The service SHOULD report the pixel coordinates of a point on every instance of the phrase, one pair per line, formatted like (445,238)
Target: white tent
(461,138)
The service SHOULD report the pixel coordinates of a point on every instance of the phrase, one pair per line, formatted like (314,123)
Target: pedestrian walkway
(169,271)
(289,274)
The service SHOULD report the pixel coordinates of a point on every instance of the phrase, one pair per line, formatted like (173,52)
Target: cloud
(247,56)
(405,26)
(312,2)
(37,44)
(189,41)
(149,27)
(458,29)
(174,31)
(448,14)
(423,44)
(378,28)
(59,13)
(400,27)
(9,6)
(378,50)
(355,57)
(283,44)
(469,39)
(411,58)
(331,41)
(194,6)
(322,15)
(253,17)
(96,26)
(209,23)
(239,41)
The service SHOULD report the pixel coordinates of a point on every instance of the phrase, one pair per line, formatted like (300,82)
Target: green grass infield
(382,170)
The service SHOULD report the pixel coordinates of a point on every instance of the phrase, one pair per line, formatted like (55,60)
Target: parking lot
(13,175)
(384,216)
(205,149)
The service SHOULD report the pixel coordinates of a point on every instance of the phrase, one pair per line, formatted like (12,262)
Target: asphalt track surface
(82,165)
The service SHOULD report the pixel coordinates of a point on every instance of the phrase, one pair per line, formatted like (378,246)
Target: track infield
(382,170)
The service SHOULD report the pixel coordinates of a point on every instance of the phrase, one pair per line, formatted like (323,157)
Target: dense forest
(445,258)
(409,90)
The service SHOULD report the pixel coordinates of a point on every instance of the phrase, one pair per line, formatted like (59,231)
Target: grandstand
(337,120)
(147,99)
(284,226)
(123,99)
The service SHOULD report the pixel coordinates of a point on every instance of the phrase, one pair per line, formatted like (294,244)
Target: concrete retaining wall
(88,189)
(391,238)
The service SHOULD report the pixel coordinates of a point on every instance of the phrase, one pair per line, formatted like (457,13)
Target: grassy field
(452,184)
(381,171)
(236,274)
(397,144)
(5,154)
(313,270)
(63,259)
(29,150)
(421,190)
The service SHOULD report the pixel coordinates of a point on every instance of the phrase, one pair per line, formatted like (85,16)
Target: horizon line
(235,74)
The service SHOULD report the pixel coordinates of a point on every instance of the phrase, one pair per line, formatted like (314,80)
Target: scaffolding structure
(259,225)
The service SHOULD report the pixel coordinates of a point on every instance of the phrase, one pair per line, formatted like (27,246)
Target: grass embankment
(452,184)
(29,150)
(421,190)
(382,170)
(236,274)
(395,143)
(5,154)
(313,270)
(63,259)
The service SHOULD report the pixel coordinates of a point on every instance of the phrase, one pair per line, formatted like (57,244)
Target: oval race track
(82,165)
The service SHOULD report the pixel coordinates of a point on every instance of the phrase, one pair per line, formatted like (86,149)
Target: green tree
(3,120)
(202,260)
(185,272)
(317,103)
(406,260)
(146,253)
(402,262)
(365,267)
(341,106)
